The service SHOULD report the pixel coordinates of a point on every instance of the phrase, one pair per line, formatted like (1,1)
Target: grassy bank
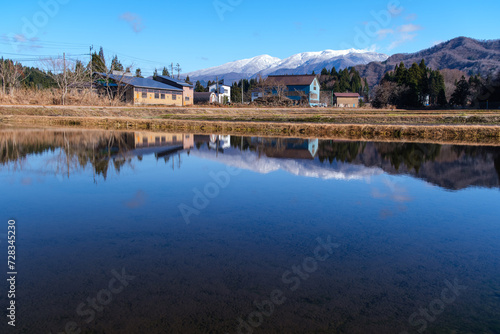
(444,126)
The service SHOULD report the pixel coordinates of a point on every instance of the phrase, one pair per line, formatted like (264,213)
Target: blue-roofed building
(139,91)
(187,88)
(299,88)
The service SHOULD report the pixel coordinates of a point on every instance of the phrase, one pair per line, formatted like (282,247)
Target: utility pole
(91,72)
(172,70)
(217,89)
(64,76)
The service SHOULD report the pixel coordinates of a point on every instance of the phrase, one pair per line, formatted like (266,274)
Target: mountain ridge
(462,53)
(466,54)
(300,63)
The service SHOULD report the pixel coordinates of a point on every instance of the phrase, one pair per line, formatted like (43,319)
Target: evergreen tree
(366,90)
(155,73)
(334,73)
(165,72)
(187,80)
(235,93)
(101,54)
(138,73)
(461,94)
(198,87)
(324,71)
(98,64)
(441,99)
(116,65)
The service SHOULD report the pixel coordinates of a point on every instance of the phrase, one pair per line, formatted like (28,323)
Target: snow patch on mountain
(301,63)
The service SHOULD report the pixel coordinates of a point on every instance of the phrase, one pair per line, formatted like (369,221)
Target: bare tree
(10,73)
(277,87)
(122,80)
(65,73)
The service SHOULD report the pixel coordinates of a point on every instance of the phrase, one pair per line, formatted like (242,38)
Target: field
(475,126)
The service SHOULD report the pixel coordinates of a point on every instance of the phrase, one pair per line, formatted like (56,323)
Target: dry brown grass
(49,97)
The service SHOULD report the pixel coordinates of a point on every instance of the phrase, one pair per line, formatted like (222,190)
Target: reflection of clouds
(393,192)
(137,201)
(308,168)
(26,181)
(397,193)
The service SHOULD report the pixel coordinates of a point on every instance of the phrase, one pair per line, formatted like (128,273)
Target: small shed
(204,97)
(346,100)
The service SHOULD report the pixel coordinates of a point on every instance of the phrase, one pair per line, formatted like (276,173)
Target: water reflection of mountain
(448,166)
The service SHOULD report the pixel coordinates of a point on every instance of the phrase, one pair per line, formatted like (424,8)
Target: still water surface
(138,232)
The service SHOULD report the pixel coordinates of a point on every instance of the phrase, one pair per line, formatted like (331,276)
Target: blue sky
(204,33)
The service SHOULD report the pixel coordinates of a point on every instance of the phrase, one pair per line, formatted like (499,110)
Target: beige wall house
(346,100)
(141,90)
(187,88)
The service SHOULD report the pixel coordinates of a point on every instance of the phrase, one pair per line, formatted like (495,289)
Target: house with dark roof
(346,100)
(136,90)
(187,88)
(300,88)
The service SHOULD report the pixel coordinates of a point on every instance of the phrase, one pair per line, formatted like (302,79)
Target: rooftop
(139,82)
(292,80)
(346,94)
(177,81)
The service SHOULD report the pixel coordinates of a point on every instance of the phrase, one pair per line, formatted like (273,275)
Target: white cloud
(411,17)
(134,20)
(406,33)
(382,33)
(407,28)
(403,38)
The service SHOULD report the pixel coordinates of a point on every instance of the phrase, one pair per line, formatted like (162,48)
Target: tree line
(420,86)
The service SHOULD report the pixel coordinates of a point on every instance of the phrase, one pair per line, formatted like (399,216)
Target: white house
(256,94)
(223,93)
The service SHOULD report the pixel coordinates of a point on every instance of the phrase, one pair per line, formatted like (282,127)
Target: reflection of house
(346,100)
(162,139)
(298,87)
(187,88)
(286,148)
(139,90)
(224,93)
(204,97)
(220,141)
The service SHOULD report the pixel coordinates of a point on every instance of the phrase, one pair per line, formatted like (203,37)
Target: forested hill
(465,54)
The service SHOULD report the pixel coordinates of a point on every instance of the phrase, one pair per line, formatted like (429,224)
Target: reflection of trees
(339,151)
(74,150)
(412,155)
(486,153)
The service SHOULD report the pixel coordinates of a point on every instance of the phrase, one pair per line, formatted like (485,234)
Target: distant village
(165,90)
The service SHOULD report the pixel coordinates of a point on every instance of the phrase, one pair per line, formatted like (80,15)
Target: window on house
(174,97)
(145,140)
(187,98)
(314,87)
(163,139)
(174,138)
(144,95)
(163,96)
(157,95)
(157,140)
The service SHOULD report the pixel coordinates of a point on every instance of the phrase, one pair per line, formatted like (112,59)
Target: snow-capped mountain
(301,63)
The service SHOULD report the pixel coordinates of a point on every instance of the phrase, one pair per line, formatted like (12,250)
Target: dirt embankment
(449,126)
